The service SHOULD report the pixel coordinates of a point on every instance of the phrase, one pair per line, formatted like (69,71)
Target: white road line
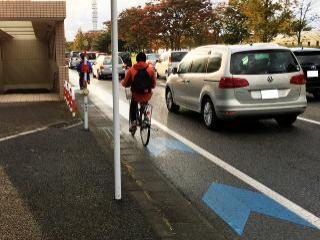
(309,121)
(23,134)
(293,207)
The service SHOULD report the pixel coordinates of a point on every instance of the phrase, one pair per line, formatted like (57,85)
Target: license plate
(311,74)
(269,94)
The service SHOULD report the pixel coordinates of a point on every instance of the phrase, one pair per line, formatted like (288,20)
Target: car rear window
(75,54)
(177,56)
(263,62)
(308,58)
(152,57)
(91,56)
(108,61)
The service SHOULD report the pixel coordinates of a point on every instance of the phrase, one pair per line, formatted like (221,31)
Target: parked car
(167,61)
(92,56)
(152,59)
(225,82)
(126,57)
(309,59)
(102,67)
(74,59)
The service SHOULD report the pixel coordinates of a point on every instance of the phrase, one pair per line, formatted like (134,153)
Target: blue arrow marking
(160,145)
(234,206)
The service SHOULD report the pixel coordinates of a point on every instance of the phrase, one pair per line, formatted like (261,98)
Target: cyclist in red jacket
(142,79)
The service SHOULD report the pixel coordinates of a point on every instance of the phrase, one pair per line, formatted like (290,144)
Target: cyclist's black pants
(133,110)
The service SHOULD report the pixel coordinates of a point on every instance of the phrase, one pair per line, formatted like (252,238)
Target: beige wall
(1,73)
(26,65)
(44,15)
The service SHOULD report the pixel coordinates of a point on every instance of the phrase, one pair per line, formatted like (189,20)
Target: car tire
(287,120)
(209,116)
(171,106)
(99,76)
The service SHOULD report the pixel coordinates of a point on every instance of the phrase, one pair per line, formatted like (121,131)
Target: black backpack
(142,82)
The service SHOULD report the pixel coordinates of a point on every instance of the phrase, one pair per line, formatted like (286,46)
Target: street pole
(116,116)
(85,94)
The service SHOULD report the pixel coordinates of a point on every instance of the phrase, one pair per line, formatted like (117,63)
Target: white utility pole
(115,84)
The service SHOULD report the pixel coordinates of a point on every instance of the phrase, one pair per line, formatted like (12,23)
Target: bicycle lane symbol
(161,145)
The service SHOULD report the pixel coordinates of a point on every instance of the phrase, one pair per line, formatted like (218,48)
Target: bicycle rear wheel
(145,135)
(145,129)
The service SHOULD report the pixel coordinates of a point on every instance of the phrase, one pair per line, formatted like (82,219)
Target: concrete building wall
(46,52)
(1,70)
(26,65)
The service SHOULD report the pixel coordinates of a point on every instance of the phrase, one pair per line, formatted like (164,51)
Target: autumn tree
(78,43)
(179,20)
(132,29)
(265,19)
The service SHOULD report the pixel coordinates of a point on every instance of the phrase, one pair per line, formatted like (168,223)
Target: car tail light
(298,80)
(230,82)
(101,67)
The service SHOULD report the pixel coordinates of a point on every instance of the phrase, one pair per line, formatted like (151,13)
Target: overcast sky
(79,13)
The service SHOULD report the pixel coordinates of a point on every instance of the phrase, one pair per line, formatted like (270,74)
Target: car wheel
(287,120)
(209,115)
(99,76)
(172,107)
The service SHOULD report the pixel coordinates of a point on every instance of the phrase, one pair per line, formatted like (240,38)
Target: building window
(309,44)
(317,43)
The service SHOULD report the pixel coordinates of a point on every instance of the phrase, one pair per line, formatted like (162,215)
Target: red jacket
(130,76)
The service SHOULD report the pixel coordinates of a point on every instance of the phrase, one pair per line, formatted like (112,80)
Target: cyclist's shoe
(133,127)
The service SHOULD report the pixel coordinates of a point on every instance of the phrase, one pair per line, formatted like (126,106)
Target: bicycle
(144,114)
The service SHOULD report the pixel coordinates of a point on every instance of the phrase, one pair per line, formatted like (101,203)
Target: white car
(167,61)
(225,82)
(102,67)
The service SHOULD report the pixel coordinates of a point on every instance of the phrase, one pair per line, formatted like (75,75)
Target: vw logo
(313,67)
(270,79)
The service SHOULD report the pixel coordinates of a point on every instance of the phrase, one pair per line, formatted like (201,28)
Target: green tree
(235,29)
(102,42)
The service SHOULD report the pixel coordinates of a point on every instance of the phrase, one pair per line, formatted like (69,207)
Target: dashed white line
(293,207)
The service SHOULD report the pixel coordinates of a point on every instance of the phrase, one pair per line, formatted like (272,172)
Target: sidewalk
(57,183)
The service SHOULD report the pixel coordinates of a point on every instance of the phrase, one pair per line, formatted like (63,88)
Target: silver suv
(224,82)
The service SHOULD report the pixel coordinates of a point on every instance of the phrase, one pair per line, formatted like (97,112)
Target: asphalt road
(260,153)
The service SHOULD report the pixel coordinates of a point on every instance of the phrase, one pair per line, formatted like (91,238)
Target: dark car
(309,59)
(126,57)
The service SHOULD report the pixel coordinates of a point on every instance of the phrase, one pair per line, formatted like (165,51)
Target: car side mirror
(175,70)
